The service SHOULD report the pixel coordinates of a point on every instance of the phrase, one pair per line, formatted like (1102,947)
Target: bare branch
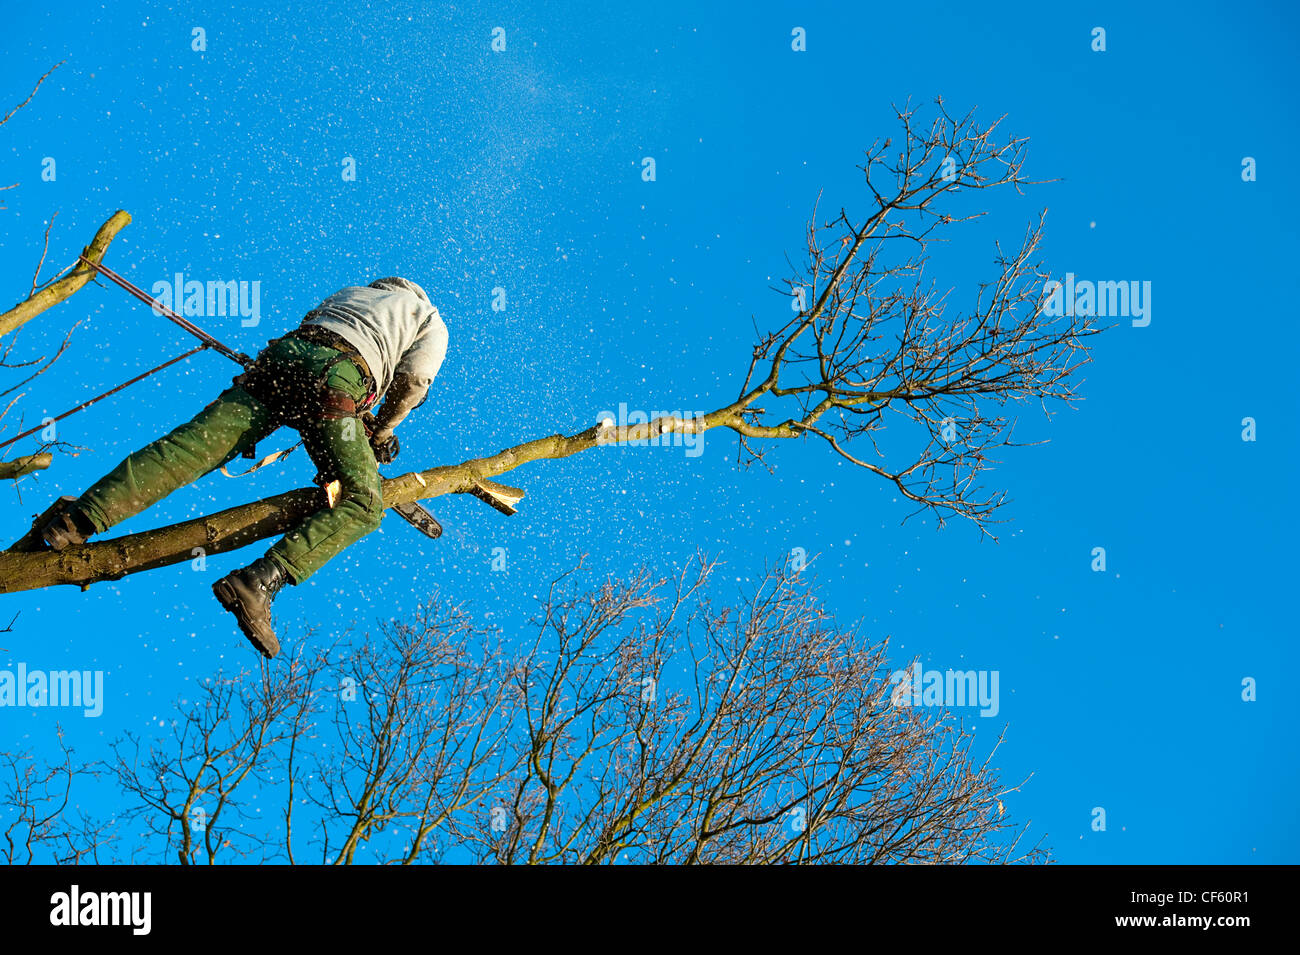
(9,115)
(68,283)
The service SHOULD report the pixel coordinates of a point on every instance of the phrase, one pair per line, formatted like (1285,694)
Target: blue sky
(521,170)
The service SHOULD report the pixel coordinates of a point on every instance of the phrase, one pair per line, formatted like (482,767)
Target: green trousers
(236,421)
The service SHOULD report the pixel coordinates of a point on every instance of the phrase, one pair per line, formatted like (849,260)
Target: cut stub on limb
(503,497)
(12,470)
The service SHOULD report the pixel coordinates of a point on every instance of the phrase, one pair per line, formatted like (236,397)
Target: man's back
(395,329)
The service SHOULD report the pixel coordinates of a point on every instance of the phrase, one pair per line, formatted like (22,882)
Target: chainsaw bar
(415,515)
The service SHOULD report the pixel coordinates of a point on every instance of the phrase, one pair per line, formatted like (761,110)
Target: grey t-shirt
(395,331)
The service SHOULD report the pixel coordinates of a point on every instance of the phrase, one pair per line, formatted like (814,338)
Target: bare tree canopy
(642,723)
(39,821)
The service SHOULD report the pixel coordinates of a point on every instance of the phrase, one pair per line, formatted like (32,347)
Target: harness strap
(320,335)
(269,459)
(333,403)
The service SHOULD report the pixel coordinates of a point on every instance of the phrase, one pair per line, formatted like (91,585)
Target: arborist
(362,344)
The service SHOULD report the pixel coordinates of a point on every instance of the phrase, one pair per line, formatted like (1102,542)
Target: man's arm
(403,395)
(412,377)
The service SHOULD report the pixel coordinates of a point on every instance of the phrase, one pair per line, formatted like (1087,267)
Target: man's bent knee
(366,502)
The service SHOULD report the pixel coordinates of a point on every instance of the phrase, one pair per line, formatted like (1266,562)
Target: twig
(10,114)
(44,251)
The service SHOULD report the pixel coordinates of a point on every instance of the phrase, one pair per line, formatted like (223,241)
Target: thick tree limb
(245,524)
(68,283)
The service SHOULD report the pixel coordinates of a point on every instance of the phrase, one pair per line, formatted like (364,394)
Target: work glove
(382,440)
(385,448)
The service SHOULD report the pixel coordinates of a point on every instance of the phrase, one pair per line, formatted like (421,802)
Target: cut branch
(68,283)
(9,470)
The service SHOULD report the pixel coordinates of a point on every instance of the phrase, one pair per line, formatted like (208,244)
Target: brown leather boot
(247,593)
(61,525)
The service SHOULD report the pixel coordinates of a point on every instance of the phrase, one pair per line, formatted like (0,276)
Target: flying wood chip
(503,497)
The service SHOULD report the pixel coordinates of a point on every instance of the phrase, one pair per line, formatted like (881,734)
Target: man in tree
(385,340)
